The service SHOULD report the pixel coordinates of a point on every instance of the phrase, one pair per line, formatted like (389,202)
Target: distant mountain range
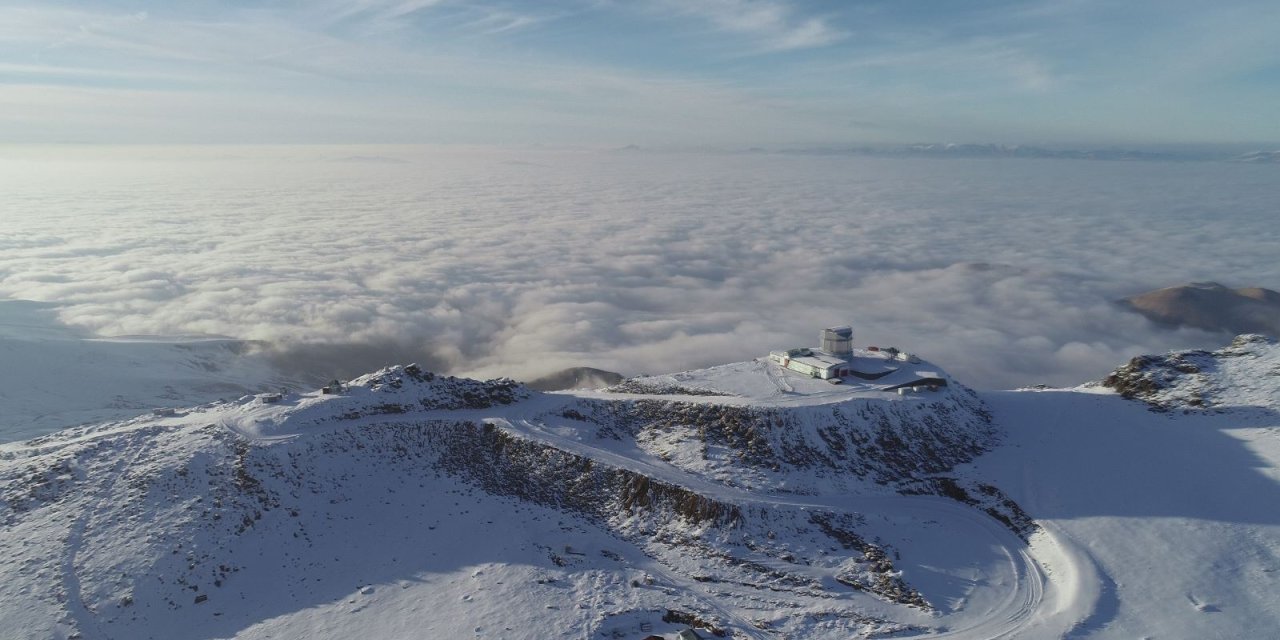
(1208,153)
(1259,157)
(949,150)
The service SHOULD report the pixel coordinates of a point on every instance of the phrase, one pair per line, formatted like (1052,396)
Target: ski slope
(1174,512)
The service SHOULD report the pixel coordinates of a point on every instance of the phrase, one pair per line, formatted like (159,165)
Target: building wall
(810,370)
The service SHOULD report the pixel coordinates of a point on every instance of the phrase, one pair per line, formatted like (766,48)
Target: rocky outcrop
(1198,379)
(872,440)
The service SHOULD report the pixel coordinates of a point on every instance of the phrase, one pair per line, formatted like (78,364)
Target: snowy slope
(52,377)
(1171,498)
(410,501)
(742,499)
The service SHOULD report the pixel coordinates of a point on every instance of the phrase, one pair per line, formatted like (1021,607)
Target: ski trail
(776,379)
(86,620)
(1079,582)
(1018,610)
(691,586)
(81,617)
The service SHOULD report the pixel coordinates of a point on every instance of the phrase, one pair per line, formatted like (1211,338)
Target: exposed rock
(641,387)
(877,441)
(988,498)
(1197,379)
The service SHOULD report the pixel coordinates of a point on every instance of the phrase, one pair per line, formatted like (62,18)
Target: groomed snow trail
(1023,608)
(86,620)
(776,379)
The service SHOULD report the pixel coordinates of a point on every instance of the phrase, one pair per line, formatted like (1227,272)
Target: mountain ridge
(236,471)
(742,500)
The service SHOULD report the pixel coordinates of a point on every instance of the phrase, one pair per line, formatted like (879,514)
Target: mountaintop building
(829,362)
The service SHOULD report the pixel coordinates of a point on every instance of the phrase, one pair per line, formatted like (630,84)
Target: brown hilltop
(1211,306)
(575,378)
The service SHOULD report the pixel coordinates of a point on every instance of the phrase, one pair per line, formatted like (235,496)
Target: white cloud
(775,25)
(656,72)
(282,78)
(492,262)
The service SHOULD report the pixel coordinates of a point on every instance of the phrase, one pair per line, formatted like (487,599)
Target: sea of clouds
(492,262)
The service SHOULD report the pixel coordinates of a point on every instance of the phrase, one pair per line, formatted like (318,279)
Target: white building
(814,364)
(831,361)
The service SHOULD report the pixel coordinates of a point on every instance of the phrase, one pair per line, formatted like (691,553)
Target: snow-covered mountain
(742,500)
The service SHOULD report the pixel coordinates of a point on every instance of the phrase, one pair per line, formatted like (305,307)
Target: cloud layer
(499,262)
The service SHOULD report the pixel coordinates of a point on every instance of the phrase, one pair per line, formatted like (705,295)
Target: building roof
(820,360)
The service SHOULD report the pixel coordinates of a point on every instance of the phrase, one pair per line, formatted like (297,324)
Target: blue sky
(648,72)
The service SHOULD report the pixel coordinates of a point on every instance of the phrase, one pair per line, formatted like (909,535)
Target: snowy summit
(750,500)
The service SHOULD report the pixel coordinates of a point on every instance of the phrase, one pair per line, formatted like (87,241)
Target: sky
(659,73)
(508,262)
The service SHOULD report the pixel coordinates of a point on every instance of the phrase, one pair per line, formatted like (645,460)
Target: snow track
(1029,601)
(777,380)
(1024,606)
(84,618)
(693,587)
(1015,596)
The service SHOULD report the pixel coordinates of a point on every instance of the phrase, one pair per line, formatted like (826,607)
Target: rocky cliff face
(801,447)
